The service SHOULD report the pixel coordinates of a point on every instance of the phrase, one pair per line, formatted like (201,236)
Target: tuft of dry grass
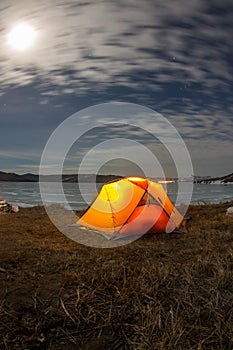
(159,292)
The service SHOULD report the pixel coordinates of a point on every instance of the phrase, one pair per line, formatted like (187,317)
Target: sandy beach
(159,292)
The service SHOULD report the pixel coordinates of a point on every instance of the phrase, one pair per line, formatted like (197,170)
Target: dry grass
(160,292)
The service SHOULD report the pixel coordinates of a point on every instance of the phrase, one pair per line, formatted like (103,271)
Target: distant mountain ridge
(220,179)
(28,177)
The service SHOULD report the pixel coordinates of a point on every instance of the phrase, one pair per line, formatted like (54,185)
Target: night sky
(174,56)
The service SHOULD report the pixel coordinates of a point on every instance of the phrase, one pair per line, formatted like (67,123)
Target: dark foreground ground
(159,292)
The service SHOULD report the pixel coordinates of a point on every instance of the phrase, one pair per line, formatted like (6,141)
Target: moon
(22,36)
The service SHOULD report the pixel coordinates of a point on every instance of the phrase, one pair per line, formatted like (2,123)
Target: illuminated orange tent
(132,205)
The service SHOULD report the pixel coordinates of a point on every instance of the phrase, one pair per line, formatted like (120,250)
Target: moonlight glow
(22,37)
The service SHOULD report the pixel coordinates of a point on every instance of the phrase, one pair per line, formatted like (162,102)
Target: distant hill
(28,177)
(13,177)
(221,179)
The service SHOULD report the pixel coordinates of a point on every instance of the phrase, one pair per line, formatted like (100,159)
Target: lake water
(28,193)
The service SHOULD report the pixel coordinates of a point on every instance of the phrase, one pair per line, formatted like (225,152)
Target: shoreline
(29,195)
(22,205)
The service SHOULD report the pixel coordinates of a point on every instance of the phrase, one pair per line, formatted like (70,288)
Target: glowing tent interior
(132,205)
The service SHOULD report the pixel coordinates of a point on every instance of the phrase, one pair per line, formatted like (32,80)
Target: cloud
(113,41)
(173,56)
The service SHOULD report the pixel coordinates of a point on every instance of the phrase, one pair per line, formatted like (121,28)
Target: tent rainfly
(132,205)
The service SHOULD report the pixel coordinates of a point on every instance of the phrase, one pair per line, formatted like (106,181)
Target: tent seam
(133,209)
(113,220)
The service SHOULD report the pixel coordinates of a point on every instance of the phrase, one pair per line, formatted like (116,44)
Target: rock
(230,211)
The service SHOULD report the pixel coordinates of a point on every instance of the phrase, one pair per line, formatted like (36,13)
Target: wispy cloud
(173,56)
(112,41)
